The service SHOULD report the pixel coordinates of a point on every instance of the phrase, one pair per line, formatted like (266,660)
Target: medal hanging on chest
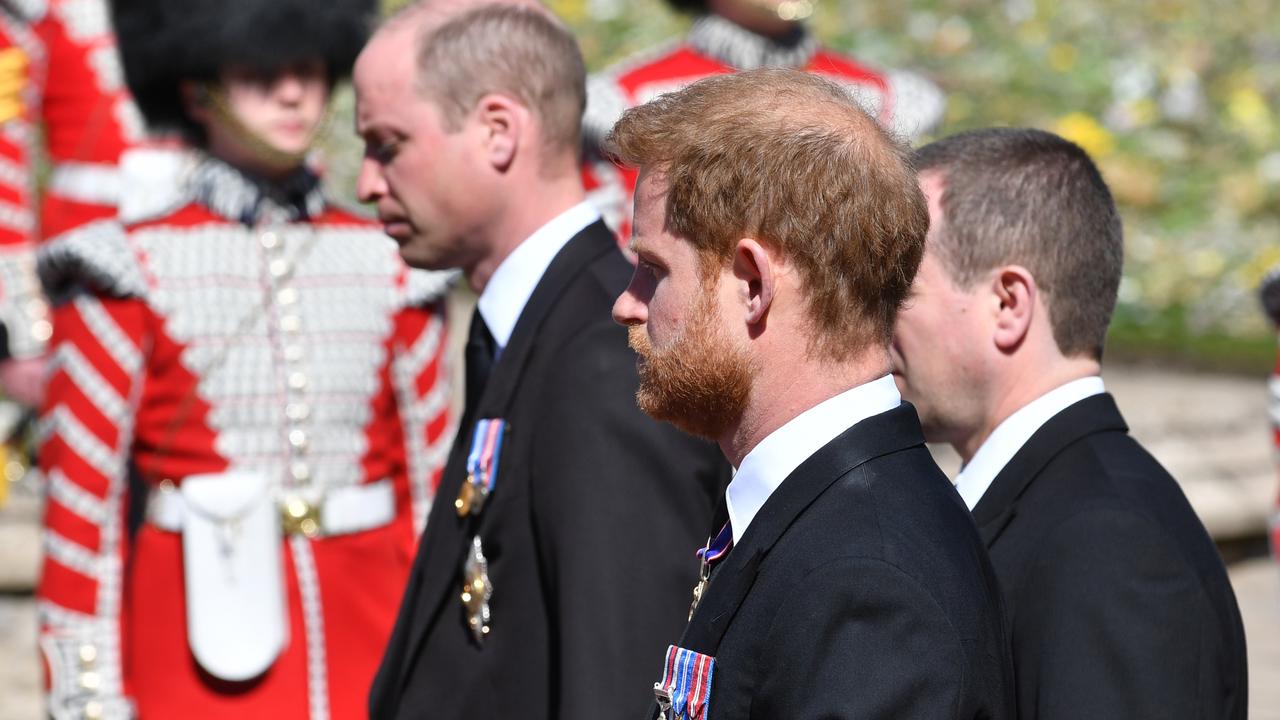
(476,591)
(482,477)
(482,466)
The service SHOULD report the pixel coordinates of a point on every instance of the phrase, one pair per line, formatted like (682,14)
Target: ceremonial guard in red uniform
(263,362)
(734,35)
(89,118)
(23,315)
(1270,294)
(59,59)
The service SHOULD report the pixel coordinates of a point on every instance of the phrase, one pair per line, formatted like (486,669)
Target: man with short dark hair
(558,557)
(849,582)
(1119,605)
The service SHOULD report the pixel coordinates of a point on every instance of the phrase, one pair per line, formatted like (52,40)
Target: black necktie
(479,357)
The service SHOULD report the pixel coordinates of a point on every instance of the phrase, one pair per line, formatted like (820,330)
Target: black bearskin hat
(163,42)
(689,6)
(1269,293)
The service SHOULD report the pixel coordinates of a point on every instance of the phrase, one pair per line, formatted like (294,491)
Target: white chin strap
(265,151)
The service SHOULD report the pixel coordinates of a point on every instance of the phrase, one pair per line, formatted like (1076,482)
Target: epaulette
(428,286)
(153,182)
(30,11)
(1269,293)
(96,255)
(605,99)
(918,104)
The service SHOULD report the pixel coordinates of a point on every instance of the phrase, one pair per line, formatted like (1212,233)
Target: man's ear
(757,277)
(1014,292)
(502,121)
(195,100)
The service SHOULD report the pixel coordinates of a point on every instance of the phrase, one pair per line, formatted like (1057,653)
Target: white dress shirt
(511,285)
(771,461)
(1009,436)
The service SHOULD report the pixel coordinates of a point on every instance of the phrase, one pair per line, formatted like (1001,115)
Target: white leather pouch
(231,552)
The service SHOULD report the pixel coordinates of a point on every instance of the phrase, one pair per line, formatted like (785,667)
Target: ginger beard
(699,382)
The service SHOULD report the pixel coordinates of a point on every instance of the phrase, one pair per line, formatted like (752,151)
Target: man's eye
(383,152)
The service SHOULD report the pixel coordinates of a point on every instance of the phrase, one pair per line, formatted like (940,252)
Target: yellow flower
(1242,191)
(1062,57)
(1207,263)
(1248,111)
(1134,183)
(1144,111)
(1081,129)
(571,11)
(1251,273)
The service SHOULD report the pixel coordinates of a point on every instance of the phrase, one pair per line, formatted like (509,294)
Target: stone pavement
(1210,431)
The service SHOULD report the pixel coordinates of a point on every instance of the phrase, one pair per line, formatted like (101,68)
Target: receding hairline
(847,118)
(425,16)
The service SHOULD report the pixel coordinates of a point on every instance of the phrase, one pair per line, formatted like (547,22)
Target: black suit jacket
(1118,601)
(590,533)
(859,590)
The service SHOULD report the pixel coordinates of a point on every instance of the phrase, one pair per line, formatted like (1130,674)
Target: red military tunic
(89,118)
(1273,387)
(905,102)
(221,328)
(59,59)
(22,308)
(1270,294)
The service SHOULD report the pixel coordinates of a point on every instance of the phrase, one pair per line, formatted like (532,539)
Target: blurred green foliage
(1177,100)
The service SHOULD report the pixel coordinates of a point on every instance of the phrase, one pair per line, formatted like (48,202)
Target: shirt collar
(740,48)
(1009,436)
(770,462)
(511,285)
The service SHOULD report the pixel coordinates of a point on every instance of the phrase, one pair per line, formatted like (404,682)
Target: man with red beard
(850,580)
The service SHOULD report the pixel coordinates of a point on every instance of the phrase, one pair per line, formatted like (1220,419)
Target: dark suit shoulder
(1111,484)
(587,300)
(883,572)
(1103,557)
(900,510)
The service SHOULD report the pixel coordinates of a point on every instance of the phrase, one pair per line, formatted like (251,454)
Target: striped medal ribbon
(482,466)
(685,690)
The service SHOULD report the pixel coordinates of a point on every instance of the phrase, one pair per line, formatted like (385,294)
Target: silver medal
(476,591)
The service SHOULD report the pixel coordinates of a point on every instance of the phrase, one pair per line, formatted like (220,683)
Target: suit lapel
(879,435)
(999,504)
(585,248)
(447,536)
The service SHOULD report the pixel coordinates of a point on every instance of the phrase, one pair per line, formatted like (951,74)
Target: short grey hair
(517,49)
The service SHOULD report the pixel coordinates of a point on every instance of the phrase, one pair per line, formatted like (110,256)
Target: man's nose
(628,309)
(370,185)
